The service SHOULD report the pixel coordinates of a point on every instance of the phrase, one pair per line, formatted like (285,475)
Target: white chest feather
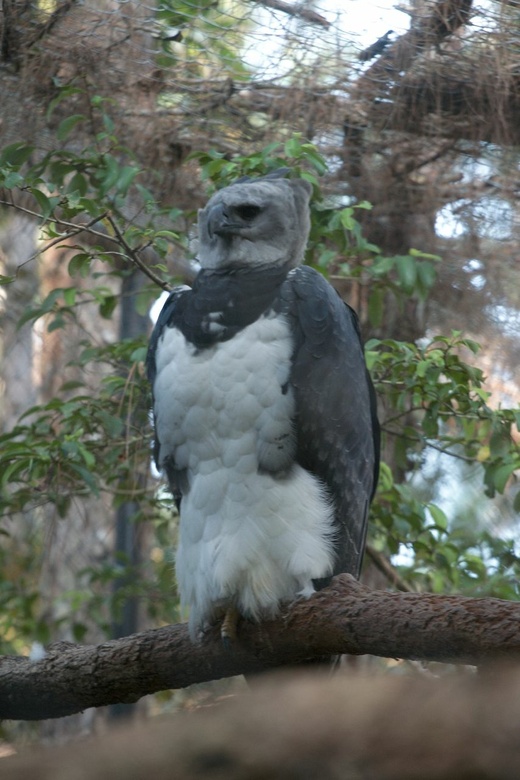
(255,528)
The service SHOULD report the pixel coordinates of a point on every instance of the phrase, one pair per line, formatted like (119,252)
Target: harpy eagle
(265,419)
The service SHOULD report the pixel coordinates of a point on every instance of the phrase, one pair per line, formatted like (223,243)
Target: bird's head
(255,223)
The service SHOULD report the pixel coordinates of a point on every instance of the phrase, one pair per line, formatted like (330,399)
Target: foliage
(79,445)
(211,35)
(88,441)
(438,401)
(96,441)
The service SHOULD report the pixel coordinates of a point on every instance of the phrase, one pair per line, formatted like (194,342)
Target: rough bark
(385,728)
(347,617)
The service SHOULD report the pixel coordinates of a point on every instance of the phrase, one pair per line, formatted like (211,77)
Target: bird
(376,48)
(264,412)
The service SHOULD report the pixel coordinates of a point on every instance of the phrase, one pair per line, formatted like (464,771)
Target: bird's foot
(306,592)
(228,629)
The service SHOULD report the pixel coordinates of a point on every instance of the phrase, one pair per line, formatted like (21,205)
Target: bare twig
(385,567)
(74,229)
(64,237)
(295,10)
(133,255)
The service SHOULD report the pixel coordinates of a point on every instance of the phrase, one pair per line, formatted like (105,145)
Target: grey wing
(336,421)
(171,313)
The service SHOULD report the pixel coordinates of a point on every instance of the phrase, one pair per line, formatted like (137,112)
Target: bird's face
(255,224)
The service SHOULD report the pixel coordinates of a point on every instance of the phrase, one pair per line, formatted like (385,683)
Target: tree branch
(346,617)
(382,563)
(307,14)
(142,257)
(444,19)
(320,728)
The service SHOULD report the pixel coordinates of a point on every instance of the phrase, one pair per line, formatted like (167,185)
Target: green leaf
(126,177)
(347,219)
(426,277)
(69,295)
(107,306)
(139,355)
(64,93)
(161,246)
(57,323)
(60,169)
(315,158)
(386,478)
(68,124)
(501,476)
(422,367)
(80,264)
(474,346)
(16,154)
(110,175)
(143,301)
(79,631)
(292,147)
(28,316)
(326,257)
(62,504)
(406,268)
(45,204)
(438,516)
(12,180)
(71,385)
(383,265)
(311,178)
(78,183)
(376,299)
(499,442)
(371,358)
(424,255)
(168,234)
(108,123)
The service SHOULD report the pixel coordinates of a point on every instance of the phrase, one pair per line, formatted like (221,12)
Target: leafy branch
(74,230)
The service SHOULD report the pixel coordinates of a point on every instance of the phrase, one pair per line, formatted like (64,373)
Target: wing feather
(336,422)
(176,478)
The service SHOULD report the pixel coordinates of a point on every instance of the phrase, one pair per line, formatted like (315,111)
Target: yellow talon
(228,630)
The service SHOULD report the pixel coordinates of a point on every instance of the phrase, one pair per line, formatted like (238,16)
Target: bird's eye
(248,211)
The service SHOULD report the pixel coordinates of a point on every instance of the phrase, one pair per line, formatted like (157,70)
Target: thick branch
(347,617)
(387,727)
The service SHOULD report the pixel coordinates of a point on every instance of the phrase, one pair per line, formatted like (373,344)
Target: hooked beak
(219,223)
